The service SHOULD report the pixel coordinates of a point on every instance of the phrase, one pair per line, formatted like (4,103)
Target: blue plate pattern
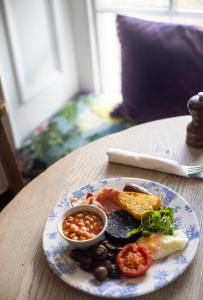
(161,273)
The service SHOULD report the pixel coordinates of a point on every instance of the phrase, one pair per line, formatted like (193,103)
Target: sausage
(131,187)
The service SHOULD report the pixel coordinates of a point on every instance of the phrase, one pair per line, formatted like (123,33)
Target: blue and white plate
(159,274)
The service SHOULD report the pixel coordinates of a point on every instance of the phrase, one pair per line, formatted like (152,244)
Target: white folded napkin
(145,161)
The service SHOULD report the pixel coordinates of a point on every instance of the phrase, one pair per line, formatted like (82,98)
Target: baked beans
(83,225)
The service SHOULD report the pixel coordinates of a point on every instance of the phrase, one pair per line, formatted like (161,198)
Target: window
(176,11)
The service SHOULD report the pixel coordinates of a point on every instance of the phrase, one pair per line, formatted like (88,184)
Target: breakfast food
(99,259)
(106,199)
(138,203)
(131,187)
(120,223)
(161,221)
(134,260)
(139,230)
(83,225)
(161,245)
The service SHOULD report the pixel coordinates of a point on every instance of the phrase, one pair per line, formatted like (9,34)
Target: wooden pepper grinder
(195,127)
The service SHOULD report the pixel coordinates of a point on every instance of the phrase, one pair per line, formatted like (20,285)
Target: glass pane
(187,21)
(195,5)
(109,50)
(109,53)
(131,3)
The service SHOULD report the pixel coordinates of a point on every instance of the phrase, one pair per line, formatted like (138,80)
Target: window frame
(170,11)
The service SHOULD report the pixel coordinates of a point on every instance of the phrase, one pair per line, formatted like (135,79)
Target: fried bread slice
(137,204)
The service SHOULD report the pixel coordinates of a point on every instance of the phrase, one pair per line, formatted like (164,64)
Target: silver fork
(194,171)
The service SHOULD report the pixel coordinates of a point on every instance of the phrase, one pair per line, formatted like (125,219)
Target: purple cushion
(162,67)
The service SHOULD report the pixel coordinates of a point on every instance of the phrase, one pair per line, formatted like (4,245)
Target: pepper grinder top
(194,136)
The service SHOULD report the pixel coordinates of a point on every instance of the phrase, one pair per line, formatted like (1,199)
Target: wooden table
(24,273)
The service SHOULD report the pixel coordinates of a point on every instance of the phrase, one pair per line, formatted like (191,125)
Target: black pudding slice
(120,223)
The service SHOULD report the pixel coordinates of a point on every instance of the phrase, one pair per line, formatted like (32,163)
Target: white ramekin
(83,243)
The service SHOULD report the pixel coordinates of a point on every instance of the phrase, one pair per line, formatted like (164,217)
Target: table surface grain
(24,273)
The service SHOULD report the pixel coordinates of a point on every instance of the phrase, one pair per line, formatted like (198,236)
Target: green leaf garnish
(146,233)
(134,231)
(160,221)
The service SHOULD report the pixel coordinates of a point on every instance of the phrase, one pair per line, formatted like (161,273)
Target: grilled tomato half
(133,260)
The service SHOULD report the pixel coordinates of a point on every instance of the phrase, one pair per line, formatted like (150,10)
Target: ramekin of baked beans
(83,225)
